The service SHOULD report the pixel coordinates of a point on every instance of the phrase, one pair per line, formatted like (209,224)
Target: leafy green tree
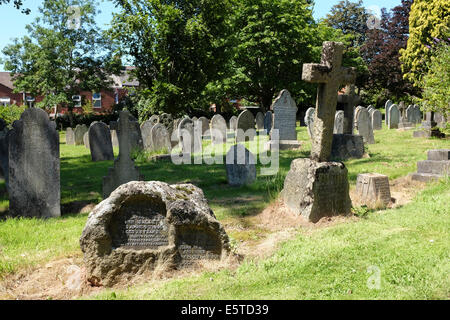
(63,54)
(428,19)
(18,4)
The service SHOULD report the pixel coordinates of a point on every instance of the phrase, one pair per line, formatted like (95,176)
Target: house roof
(5,79)
(124,79)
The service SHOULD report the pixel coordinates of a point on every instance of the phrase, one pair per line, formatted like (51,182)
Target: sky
(13,22)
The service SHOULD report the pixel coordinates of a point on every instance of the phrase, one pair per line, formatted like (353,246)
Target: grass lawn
(324,264)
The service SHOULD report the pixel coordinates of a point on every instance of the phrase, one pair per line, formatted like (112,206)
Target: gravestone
(339,122)
(394,117)
(245,127)
(218,129)
(160,138)
(387,105)
(100,142)
(240,166)
(70,137)
(190,136)
(4,154)
(204,124)
(347,146)
(124,169)
(428,128)
(233,123)
(34,180)
(259,119)
(309,120)
(410,114)
(437,166)
(315,187)
(147,226)
(364,125)
(373,188)
(418,114)
(146,131)
(79,132)
(154,119)
(86,140)
(268,120)
(114,139)
(376,119)
(349,100)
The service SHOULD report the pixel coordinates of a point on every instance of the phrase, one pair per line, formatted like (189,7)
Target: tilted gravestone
(160,138)
(259,119)
(245,127)
(363,125)
(124,169)
(233,123)
(377,119)
(268,121)
(218,129)
(79,132)
(309,120)
(315,187)
(70,137)
(100,142)
(144,226)
(34,180)
(394,117)
(4,154)
(373,189)
(240,166)
(190,136)
(146,131)
(339,122)
(387,105)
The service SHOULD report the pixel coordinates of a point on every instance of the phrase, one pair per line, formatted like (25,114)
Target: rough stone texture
(387,106)
(372,188)
(268,121)
(317,189)
(189,136)
(347,146)
(233,123)
(309,120)
(438,155)
(146,131)
(259,119)
(245,127)
(240,166)
(339,122)
(218,129)
(160,138)
(394,117)
(34,181)
(363,125)
(70,137)
(330,75)
(284,116)
(145,225)
(86,140)
(114,139)
(4,155)
(79,132)
(204,124)
(349,100)
(100,142)
(376,119)
(154,119)
(124,169)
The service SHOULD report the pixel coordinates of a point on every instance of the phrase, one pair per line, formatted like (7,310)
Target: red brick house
(102,102)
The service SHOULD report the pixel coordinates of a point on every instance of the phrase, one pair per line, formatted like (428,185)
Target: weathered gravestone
(190,136)
(339,122)
(146,131)
(145,226)
(373,189)
(79,132)
(376,119)
(160,138)
(245,127)
(394,117)
(259,119)
(309,120)
(124,169)
(314,187)
(114,139)
(34,181)
(100,142)
(349,100)
(218,129)
(86,140)
(233,123)
(240,166)
(70,137)
(203,122)
(387,105)
(285,121)
(4,155)
(268,120)
(154,119)
(363,125)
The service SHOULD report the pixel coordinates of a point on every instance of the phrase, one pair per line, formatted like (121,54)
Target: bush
(63,122)
(11,113)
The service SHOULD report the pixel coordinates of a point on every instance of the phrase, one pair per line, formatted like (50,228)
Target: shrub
(11,113)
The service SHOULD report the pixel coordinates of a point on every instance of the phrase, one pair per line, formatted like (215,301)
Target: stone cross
(350,100)
(330,75)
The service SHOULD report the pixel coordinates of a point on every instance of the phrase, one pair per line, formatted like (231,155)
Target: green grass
(30,242)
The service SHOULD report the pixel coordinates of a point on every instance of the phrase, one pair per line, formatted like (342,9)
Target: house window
(76,101)
(5,101)
(97,100)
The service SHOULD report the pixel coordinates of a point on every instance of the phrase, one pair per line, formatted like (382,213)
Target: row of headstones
(400,116)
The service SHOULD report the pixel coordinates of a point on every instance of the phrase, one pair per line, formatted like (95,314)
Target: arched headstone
(100,142)
(146,131)
(394,117)
(259,121)
(70,137)
(218,129)
(339,122)
(309,120)
(245,128)
(160,138)
(79,132)
(364,125)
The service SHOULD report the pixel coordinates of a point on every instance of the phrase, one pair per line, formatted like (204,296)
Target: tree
(178,48)
(428,19)
(18,4)
(381,53)
(351,18)
(60,56)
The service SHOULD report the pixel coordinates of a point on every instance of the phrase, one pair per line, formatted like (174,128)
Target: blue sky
(13,21)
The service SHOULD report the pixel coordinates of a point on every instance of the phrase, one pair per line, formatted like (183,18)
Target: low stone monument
(70,137)
(124,169)
(436,167)
(315,188)
(147,225)
(245,127)
(100,142)
(373,189)
(240,166)
(34,181)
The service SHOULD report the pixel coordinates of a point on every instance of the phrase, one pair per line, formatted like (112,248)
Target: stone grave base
(283,145)
(317,189)
(436,167)
(406,126)
(428,134)
(346,146)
